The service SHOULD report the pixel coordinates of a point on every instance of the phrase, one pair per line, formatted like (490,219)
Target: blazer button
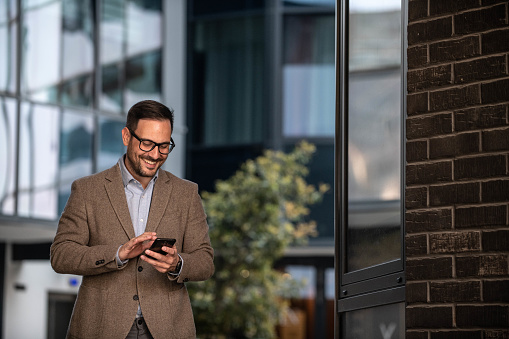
(140,268)
(186,279)
(135,297)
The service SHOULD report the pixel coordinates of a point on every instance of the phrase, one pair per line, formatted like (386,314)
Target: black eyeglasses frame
(154,144)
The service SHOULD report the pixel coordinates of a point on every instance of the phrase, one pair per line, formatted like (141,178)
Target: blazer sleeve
(197,251)
(70,252)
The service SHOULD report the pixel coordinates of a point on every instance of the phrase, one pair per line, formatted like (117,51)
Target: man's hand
(136,246)
(163,263)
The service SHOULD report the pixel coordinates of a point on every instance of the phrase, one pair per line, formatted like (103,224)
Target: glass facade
(82,65)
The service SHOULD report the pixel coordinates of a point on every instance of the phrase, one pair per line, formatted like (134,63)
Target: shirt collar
(127,177)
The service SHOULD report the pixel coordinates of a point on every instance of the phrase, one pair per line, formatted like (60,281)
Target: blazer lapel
(159,203)
(116,194)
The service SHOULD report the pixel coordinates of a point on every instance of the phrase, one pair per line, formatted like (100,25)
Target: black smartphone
(157,245)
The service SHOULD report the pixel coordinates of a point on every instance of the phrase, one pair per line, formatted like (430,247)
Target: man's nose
(154,153)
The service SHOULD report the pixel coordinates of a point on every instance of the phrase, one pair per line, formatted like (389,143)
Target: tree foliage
(254,216)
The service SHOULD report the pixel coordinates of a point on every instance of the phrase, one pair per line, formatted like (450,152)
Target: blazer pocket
(87,315)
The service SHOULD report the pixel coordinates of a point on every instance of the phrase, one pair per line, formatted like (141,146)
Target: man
(107,226)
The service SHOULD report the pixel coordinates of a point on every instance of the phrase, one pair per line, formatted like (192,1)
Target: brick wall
(457,171)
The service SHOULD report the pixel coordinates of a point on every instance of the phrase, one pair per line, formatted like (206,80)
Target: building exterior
(407,103)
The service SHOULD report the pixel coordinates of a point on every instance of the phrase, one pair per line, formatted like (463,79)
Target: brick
(453,194)
(416,197)
(480,69)
(457,291)
(432,173)
(439,7)
(457,242)
(480,117)
(482,316)
(480,20)
(496,140)
(453,50)
(481,266)
(496,291)
(417,9)
(495,42)
(429,78)
(480,216)
(429,317)
(417,103)
(479,167)
(416,151)
(429,31)
(416,292)
(455,145)
(417,56)
(476,334)
(496,334)
(495,191)
(496,91)
(416,335)
(416,245)
(428,269)
(422,127)
(495,240)
(455,98)
(428,221)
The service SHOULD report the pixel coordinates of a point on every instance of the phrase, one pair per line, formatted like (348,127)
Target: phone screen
(157,245)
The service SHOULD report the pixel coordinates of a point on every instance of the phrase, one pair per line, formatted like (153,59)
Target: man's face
(144,165)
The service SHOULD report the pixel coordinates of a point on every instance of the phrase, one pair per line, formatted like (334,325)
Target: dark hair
(148,109)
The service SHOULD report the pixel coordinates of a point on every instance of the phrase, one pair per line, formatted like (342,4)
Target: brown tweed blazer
(95,222)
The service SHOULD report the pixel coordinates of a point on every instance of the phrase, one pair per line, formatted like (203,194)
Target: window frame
(383,283)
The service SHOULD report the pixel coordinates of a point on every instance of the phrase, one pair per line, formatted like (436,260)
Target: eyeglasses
(147,145)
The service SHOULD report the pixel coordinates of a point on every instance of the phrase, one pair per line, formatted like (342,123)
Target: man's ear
(126,136)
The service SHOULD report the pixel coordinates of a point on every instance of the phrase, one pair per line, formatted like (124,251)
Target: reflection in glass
(78,52)
(111,146)
(38,161)
(111,93)
(8,59)
(41,43)
(309,76)
(374,134)
(309,3)
(144,19)
(375,323)
(112,31)
(8,134)
(229,73)
(143,78)
(75,151)
(77,91)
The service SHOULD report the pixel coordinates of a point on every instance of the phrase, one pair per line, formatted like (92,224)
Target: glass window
(377,322)
(229,82)
(78,53)
(42,43)
(374,134)
(111,146)
(111,55)
(8,136)
(38,161)
(143,78)
(144,19)
(309,3)
(76,137)
(309,76)
(8,59)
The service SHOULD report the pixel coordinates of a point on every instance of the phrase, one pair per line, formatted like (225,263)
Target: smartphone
(157,245)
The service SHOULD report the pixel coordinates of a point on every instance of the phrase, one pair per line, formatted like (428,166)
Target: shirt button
(141,220)
(135,297)
(140,268)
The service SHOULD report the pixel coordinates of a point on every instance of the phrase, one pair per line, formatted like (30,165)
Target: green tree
(254,216)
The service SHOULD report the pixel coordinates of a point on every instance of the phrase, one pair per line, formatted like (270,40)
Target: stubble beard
(136,164)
